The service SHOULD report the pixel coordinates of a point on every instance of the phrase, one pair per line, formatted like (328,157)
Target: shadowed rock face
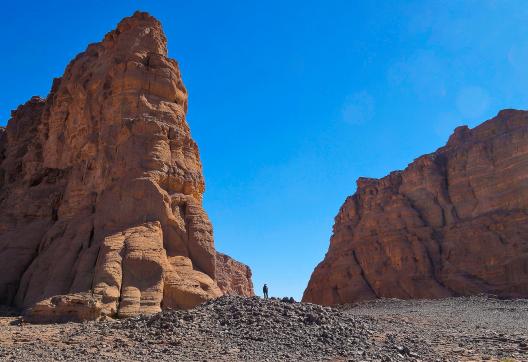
(454,222)
(101,185)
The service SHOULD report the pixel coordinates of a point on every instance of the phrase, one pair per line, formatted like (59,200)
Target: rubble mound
(251,329)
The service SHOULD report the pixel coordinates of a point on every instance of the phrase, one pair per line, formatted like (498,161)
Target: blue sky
(291,101)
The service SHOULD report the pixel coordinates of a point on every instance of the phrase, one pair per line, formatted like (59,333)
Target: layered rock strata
(233,277)
(454,222)
(101,186)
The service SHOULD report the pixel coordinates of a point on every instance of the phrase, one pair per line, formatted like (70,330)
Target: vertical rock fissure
(74,267)
(432,266)
(91,236)
(95,265)
(23,274)
(122,254)
(362,273)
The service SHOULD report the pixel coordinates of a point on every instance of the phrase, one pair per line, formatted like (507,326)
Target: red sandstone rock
(101,185)
(454,222)
(66,308)
(233,277)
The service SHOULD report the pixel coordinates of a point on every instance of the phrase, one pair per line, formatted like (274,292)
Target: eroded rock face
(454,222)
(101,184)
(76,307)
(233,277)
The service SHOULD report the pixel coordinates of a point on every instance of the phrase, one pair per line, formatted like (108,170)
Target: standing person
(265,291)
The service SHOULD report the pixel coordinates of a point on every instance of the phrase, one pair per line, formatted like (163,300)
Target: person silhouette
(265,291)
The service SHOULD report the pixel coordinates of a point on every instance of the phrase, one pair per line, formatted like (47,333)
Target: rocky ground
(252,329)
(453,329)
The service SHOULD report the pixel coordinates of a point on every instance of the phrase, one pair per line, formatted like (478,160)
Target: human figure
(265,291)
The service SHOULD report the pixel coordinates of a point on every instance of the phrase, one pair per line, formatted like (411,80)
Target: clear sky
(291,101)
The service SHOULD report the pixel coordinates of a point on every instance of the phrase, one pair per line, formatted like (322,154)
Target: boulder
(65,308)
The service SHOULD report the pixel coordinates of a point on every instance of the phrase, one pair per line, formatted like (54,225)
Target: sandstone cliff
(454,222)
(233,277)
(101,187)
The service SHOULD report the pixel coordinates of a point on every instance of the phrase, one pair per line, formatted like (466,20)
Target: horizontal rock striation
(454,222)
(101,185)
(233,277)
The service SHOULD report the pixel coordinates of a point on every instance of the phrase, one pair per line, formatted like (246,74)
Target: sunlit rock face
(233,277)
(454,222)
(101,185)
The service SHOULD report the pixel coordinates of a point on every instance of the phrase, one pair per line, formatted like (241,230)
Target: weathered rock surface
(101,185)
(233,277)
(65,308)
(454,222)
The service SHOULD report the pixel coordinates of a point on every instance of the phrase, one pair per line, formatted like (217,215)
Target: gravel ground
(474,328)
(252,329)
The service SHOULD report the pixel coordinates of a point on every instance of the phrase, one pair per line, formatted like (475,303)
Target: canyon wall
(454,222)
(101,188)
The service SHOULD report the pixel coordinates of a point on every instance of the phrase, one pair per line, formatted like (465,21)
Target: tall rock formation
(454,222)
(233,277)
(101,187)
